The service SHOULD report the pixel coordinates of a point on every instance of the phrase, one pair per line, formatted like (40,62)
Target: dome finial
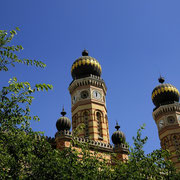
(118,136)
(63,123)
(117,126)
(63,113)
(161,79)
(85,53)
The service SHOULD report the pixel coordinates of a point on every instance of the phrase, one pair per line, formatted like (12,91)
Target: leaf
(17,28)
(7,57)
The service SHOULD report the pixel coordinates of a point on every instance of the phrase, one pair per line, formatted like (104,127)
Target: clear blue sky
(134,40)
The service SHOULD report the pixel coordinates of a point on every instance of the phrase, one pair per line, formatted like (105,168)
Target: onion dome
(164,94)
(84,66)
(63,123)
(118,136)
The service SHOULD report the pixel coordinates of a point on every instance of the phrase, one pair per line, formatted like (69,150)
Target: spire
(63,113)
(85,53)
(117,126)
(161,79)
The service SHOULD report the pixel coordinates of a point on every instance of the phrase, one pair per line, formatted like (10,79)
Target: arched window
(176,142)
(107,127)
(86,129)
(165,143)
(76,121)
(99,125)
(73,123)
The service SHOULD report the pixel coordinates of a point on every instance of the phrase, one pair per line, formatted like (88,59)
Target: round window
(84,94)
(170,119)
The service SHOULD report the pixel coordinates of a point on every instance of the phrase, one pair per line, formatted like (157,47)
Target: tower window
(76,121)
(99,125)
(86,128)
(84,94)
(165,143)
(73,123)
(171,119)
(106,121)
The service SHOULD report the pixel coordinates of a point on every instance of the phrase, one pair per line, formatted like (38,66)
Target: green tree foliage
(146,166)
(8,53)
(18,143)
(25,154)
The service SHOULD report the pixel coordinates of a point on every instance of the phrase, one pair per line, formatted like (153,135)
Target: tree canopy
(26,154)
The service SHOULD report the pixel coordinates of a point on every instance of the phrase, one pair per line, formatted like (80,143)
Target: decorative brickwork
(167,120)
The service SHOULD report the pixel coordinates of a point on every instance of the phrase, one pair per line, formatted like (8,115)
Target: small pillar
(121,152)
(120,148)
(63,139)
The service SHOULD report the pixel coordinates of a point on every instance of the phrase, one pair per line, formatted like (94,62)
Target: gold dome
(164,94)
(84,66)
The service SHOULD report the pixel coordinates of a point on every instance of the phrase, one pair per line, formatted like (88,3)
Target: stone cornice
(95,144)
(67,135)
(91,80)
(104,147)
(121,148)
(166,109)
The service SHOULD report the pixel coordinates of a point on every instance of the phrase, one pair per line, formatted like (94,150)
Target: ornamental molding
(121,148)
(91,80)
(63,133)
(67,135)
(166,109)
(95,144)
(171,140)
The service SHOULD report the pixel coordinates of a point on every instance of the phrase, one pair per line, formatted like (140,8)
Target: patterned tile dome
(164,94)
(84,66)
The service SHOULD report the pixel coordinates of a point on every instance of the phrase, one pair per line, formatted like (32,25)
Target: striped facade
(91,113)
(167,118)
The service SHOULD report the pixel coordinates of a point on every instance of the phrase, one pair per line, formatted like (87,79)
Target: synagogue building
(88,108)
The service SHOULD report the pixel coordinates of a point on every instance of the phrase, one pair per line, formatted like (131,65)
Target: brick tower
(88,107)
(88,99)
(167,118)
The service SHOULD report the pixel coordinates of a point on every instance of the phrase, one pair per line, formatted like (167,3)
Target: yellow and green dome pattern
(164,94)
(84,66)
